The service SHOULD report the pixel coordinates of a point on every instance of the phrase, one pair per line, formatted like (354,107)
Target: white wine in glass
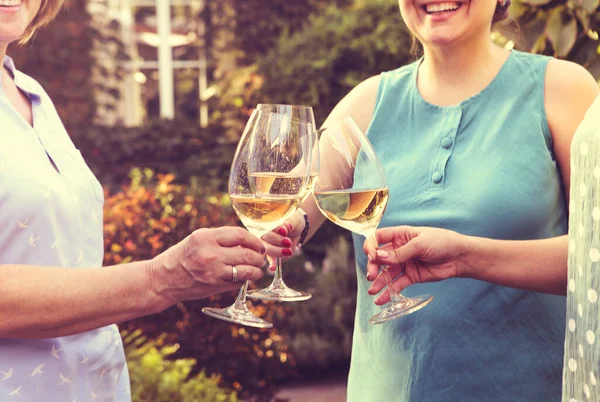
(352,192)
(267,182)
(303,119)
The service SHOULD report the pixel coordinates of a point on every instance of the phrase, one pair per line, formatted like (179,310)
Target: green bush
(157,378)
(180,147)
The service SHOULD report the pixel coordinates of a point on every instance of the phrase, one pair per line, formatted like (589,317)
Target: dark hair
(501,12)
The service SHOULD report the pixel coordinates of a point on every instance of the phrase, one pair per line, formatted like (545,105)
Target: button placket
(446,146)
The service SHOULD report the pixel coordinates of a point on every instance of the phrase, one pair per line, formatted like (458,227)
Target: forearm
(47,302)
(535,265)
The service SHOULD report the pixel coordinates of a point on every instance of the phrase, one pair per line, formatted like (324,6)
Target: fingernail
(368,276)
(287,252)
(263,250)
(369,258)
(288,226)
(370,291)
(286,243)
(382,254)
(282,231)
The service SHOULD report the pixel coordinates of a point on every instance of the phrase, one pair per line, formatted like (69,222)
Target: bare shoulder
(570,91)
(359,103)
(569,86)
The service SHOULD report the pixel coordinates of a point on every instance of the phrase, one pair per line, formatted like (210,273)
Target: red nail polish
(286,243)
(282,231)
(287,252)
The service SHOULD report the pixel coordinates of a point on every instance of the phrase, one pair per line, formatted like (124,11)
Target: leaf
(561,34)
(590,5)
(536,2)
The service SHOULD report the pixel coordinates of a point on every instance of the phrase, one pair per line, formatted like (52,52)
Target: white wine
(264,213)
(268,183)
(359,211)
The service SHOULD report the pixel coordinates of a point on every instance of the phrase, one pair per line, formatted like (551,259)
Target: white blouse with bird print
(51,215)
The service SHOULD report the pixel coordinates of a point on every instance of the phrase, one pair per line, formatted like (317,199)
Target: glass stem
(241,299)
(395,296)
(278,272)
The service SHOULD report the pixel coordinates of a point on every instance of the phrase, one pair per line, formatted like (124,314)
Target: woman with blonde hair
(58,341)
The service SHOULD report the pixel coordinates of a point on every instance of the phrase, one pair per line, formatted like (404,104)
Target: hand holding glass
(352,192)
(266,184)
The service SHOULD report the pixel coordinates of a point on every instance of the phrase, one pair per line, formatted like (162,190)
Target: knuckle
(247,256)
(239,235)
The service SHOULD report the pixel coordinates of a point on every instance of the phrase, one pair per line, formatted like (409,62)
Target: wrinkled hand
(202,264)
(282,241)
(421,254)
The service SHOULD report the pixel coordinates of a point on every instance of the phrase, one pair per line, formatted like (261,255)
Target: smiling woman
(472,138)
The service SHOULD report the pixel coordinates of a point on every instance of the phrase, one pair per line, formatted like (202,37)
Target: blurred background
(155,94)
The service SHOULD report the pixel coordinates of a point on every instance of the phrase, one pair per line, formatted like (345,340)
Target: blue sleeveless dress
(485,168)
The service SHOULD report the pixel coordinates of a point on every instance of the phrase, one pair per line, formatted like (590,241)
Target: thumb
(408,251)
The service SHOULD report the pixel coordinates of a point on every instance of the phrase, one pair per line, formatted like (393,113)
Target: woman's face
(440,22)
(15,17)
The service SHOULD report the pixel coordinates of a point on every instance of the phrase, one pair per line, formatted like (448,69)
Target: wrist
(157,286)
(468,255)
(306,227)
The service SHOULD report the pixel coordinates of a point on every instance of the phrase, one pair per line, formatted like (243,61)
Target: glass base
(237,313)
(401,308)
(278,291)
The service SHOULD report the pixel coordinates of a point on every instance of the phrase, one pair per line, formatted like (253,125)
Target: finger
(295,225)
(373,265)
(244,273)
(381,282)
(242,256)
(398,255)
(399,285)
(274,238)
(236,236)
(388,235)
(370,249)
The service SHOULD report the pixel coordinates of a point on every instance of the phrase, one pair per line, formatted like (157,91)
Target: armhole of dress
(380,90)
(542,102)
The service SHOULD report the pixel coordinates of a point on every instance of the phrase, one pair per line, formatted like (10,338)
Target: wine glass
(267,181)
(299,115)
(352,192)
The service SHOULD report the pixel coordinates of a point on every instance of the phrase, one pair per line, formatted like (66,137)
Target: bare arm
(535,265)
(427,254)
(47,302)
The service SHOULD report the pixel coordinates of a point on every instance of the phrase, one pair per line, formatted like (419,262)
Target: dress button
(446,143)
(437,177)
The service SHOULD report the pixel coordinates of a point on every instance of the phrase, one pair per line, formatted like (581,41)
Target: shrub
(157,378)
(179,147)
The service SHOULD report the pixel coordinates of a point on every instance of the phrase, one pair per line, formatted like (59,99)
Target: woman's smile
(440,11)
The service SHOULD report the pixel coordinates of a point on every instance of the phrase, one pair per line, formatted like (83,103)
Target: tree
(339,49)
(565,29)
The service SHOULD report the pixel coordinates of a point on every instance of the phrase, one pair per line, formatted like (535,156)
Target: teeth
(438,7)
(10,3)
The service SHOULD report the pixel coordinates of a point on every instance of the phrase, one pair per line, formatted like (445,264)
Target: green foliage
(181,146)
(157,378)
(566,29)
(259,23)
(339,49)
(59,58)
